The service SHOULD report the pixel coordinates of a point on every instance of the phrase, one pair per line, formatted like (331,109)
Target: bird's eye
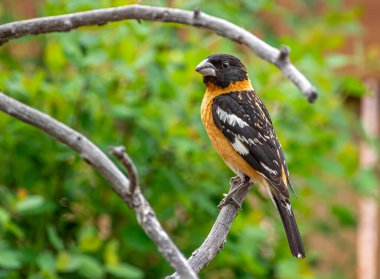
(225,65)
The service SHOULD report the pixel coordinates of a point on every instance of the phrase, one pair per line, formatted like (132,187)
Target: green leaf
(9,259)
(66,262)
(95,58)
(30,205)
(89,267)
(86,266)
(89,241)
(126,271)
(111,257)
(4,217)
(54,238)
(353,86)
(46,262)
(54,56)
(345,215)
(15,230)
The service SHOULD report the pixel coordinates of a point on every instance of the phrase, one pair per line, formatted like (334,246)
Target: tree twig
(222,27)
(216,238)
(119,183)
(119,152)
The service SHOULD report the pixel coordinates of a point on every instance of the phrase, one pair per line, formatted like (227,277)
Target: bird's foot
(236,183)
(229,199)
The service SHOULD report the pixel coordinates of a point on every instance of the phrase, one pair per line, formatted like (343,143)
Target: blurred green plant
(134,84)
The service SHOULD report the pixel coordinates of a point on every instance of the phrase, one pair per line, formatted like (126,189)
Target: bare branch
(119,183)
(196,18)
(216,239)
(119,152)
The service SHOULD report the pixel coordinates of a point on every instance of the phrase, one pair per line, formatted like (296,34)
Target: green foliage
(134,84)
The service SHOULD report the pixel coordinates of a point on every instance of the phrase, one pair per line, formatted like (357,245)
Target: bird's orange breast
(234,161)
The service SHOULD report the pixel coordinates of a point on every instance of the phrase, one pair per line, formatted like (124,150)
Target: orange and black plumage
(241,130)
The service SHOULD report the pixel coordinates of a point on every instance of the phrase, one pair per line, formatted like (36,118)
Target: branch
(63,23)
(119,183)
(119,152)
(216,239)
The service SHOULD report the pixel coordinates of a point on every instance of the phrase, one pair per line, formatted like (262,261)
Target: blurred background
(134,84)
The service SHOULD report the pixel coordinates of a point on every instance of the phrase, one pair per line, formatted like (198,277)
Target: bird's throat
(215,90)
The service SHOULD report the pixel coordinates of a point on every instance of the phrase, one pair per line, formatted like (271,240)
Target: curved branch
(119,183)
(217,237)
(119,152)
(222,27)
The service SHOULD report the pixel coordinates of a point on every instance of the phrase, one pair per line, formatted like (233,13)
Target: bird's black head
(221,70)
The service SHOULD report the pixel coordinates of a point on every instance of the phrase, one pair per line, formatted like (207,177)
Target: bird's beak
(205,68)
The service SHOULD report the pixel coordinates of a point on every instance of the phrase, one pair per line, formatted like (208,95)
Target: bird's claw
(235,181)
(228,199)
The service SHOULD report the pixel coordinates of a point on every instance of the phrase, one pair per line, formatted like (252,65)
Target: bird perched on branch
(240,128)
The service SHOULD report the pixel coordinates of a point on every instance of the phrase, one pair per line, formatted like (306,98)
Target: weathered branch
(119,152)
(222,27)
(99,161)
(133,197)
(216,239)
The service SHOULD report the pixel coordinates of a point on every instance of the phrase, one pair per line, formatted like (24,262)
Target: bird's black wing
(245,122)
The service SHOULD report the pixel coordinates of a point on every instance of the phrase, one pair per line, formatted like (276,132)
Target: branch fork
(101,163)
(119,153)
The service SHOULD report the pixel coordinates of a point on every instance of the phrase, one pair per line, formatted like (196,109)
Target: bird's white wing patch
(230,118)
(268,168)
(240,147)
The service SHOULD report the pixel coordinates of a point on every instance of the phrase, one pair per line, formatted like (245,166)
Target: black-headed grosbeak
(240,128)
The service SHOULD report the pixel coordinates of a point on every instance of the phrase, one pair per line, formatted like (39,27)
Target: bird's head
(221,70)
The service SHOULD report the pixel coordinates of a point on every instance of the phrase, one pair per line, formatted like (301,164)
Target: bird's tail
(290,226)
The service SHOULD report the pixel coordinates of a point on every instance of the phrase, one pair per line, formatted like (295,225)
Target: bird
(241,130)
